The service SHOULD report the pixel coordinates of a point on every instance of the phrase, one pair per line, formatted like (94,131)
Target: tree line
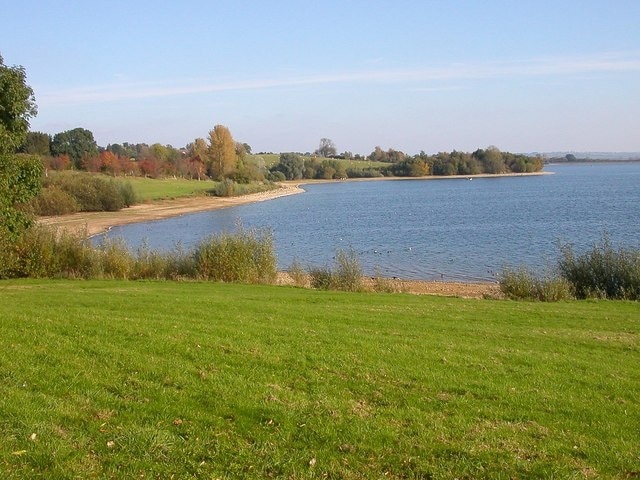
(219,156)
(293,166)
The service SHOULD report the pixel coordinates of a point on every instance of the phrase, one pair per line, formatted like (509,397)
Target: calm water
(432,229)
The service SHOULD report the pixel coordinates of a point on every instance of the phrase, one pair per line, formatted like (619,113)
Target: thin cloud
(610,63)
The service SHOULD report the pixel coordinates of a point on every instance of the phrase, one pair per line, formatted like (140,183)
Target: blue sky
(426,75)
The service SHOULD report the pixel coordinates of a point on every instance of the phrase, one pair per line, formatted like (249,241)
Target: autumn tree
(197,159)
(17,106)
(222,152)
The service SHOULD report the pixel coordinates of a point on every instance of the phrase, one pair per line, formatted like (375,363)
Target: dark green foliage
(290,165)
(20,180)
(37,143)
(17,106)
(602,271)
(491,161)
(77,143)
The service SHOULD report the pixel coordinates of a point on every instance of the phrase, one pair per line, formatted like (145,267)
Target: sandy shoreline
(94,223)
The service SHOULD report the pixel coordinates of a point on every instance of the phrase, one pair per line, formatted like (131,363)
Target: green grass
(113,379)
(149,189)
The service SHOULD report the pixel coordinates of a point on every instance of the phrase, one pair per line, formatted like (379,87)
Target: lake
(445,229)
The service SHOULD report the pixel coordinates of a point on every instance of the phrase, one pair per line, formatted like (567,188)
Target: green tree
(20,180)
(17,106)
(77,143)
(290,165)
(222,151)
(37,143)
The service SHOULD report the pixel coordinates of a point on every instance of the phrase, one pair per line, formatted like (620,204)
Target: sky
(524,76)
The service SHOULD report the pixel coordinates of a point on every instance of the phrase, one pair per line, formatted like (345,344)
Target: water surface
(449,229)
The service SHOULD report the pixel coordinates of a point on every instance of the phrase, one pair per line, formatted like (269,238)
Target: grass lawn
(111,379)
(149,189)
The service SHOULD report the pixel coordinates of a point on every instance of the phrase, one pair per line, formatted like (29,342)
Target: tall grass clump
(522,284)
(346,274)
(246,256)
(298,274)
(41,252)
(175,265)
(602,271)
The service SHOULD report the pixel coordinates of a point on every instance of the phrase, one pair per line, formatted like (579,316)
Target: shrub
(244,256)
(115,260)
(322,278)
(54,201)
(92,193)
(127,193)
(43,252)
(522,284)
(229,188)
(347,274)
(297,274)
(517,284)
(602,271)
(225,188)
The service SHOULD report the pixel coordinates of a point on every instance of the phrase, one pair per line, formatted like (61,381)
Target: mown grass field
(149,189)
(112,379)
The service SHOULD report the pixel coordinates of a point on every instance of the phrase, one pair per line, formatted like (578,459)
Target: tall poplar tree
(222,152)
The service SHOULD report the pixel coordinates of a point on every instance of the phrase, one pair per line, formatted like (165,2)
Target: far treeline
(221,157)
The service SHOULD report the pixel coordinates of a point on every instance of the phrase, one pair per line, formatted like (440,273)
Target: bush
(43,252)
(297,274)
(602,271)
(92,193)
(522,284)
(229,188)
(347,274)
(54,201)
(322,278)
(226,188)
(245,256)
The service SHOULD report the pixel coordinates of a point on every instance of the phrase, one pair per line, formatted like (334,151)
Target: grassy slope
(120,379)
